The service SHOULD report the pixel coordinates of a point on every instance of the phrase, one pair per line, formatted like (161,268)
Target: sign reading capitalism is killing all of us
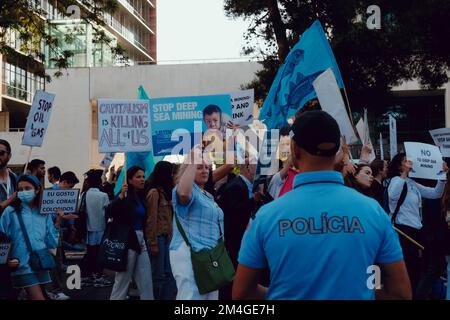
(180,119)
(124,126)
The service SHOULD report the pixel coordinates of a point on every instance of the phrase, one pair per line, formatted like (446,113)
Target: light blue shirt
(200,220)
(319,239)
(410,212)
(40,229)
(249,186)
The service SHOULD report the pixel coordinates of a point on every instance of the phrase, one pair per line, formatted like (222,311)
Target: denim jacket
(40,229)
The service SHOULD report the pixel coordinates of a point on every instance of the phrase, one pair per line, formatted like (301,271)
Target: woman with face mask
(41,232)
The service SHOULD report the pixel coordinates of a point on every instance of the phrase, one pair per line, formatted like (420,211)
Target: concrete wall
(68,143)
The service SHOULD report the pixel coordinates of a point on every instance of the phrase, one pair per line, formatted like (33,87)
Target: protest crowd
(323,226)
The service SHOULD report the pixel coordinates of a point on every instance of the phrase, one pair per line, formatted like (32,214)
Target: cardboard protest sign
(242,107)
(427,161)
(441,138)
(5,247)
(331,101)
(38,118)
(178,122)
(107,159)
(393,136)
(124,126)
(64,199)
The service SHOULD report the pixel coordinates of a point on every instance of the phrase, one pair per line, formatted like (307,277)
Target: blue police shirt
(319,240)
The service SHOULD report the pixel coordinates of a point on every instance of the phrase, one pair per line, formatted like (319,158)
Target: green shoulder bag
(213,268)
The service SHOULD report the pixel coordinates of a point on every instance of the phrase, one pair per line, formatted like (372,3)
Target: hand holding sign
(427,161)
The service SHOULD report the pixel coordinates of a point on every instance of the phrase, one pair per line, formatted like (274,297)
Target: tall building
(132,26)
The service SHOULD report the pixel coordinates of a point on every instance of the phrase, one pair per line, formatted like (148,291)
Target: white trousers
(180,262)
(138,265)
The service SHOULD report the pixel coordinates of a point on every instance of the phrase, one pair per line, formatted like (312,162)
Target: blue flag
(292,86)
(145,160)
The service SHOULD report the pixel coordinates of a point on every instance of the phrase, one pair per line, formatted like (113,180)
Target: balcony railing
(124,31)
(130,7)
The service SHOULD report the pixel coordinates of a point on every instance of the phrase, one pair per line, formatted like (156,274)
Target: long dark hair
(162,177)
(131,192)
(350,181)
(394,166)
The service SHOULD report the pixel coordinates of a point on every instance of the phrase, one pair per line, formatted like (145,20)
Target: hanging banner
(242,107)
(441,138)
(178,122)
(38,118)
(393,136)
(427,161)
(123,126)
(331,101)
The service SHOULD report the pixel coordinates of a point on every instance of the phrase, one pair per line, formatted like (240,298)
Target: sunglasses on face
(3,152)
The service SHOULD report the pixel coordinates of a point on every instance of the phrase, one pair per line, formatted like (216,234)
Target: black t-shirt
(377,191)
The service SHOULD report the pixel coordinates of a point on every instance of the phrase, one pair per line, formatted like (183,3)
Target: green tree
(27,21)
(411,44)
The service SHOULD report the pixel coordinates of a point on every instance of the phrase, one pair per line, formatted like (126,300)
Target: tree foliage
(411,44)
(29,22)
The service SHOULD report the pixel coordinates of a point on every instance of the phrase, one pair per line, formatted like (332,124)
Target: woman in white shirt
(409,217)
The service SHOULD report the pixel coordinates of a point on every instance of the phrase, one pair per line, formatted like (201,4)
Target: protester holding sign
(7,177)
(200,225)
(129,212)
(22,220)
(405,204)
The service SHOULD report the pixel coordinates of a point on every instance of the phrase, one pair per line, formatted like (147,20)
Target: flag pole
(348,107)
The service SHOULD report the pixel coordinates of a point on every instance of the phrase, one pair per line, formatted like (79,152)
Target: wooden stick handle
(28,160)
(410,239)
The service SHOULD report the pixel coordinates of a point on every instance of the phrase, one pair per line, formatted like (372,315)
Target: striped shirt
(200,219)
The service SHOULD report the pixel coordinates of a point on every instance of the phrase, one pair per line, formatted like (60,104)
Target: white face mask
(26,196)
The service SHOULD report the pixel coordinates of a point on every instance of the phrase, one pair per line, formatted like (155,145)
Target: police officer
(321,240)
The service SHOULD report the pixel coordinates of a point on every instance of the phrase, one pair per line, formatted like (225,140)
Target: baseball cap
(317,133)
